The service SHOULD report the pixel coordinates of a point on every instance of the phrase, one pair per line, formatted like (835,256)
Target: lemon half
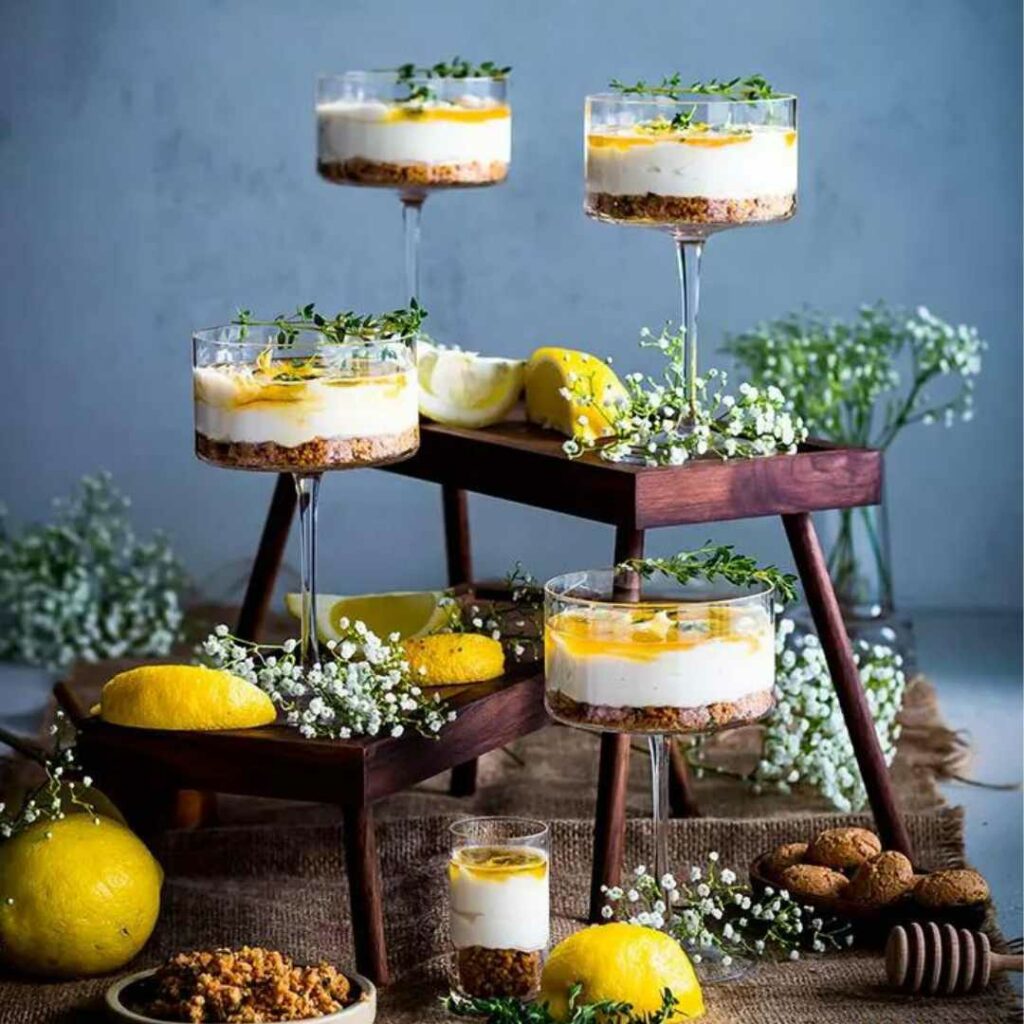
(464,389)
(550,371)
(409,613)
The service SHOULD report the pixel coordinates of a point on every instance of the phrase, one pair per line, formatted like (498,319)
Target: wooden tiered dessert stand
(522,463)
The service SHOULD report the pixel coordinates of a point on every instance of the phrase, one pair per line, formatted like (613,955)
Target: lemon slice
(410,613)
(464,389)
(550,372)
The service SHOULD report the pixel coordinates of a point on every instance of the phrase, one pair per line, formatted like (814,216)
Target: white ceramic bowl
(362,1012)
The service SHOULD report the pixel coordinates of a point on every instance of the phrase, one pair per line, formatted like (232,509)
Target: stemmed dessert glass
(304,404)
(690,165)
(658,659)
(413,134)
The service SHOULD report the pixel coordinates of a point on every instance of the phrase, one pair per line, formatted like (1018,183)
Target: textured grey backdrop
(156,171)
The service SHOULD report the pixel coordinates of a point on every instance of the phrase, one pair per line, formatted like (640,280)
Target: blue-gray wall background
(156,172)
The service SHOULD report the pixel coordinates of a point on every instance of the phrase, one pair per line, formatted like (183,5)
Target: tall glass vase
(860,561)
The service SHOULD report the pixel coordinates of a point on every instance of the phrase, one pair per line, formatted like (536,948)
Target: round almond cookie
(881,880)
(783,857)
(959,887)
(843,848)
(813,880)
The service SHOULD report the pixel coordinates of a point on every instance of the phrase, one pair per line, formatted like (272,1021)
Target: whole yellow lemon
(78,896)
(184,697)
(445,659)
(625,962)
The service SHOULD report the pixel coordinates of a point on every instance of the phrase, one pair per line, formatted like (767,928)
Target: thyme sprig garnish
(754,87)
(342,327)
(508,1010)
(412,75)
(712,562)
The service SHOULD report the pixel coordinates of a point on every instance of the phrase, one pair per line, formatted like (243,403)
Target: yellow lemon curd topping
(653,133)
(645,635)
(497,863)
(456,113)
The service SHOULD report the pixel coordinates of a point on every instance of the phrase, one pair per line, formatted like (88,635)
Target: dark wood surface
(520,462)
(365,894)
(828,621)
(276,761)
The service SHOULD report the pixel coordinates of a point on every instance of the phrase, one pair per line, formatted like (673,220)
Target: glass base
(712,970)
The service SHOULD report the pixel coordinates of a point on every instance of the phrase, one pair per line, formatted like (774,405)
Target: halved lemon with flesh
(464,389)
(552,377)
(410,613)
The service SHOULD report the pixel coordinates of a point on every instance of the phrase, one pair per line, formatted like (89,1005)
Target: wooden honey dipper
(936,959)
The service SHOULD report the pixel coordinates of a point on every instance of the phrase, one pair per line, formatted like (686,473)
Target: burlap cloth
(282,884)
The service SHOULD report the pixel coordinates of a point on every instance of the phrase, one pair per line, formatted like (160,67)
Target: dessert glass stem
(307,489)
(659,791)
(688,253)
(412,208)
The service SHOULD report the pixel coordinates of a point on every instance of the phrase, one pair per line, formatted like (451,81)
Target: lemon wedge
(409,613)
(464,389)
(551,372)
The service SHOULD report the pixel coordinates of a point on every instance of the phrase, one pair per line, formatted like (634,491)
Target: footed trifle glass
(499,881)
(659,659)
(414,130)
(689,165)
(303,403)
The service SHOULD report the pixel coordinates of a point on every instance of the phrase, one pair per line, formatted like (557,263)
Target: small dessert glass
(499,900)
(690,166)
(657,658)
(415,136)
(303,405)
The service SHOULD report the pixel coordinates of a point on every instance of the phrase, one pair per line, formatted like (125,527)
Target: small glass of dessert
(499,901)
(415,130)
(304,402)
(691,164)
(658,658)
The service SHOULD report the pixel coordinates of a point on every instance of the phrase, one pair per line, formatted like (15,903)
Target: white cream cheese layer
(499,910)
(625,672)
(762,161)
(435,133)
(231,406)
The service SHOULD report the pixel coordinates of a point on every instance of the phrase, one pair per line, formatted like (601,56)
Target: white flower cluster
(714,911)
(862,382)
(659,425)
(85,587)
(362,687)
(805,739)
(58,795)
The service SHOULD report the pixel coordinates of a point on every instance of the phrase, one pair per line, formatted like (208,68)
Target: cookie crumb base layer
(486,972)
(705,718)
(321,453)
(669,210)
(359,171)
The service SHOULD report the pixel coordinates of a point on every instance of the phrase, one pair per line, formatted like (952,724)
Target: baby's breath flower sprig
(754,87)
(712,562)
(805,741)
(85,586)
(713,910)
(666,422)
(51,800)
(510,1010)
(363,686)
(518,622)
(343,327)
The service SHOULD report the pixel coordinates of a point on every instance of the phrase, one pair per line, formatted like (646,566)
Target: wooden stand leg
(828,621)
(268,559)
(680,786)
(613,772)
(459,556)
(365,897)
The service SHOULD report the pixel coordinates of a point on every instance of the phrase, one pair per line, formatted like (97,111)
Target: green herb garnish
(342,327)
(672,87)
(513,1011)
(411,75)
(711,562)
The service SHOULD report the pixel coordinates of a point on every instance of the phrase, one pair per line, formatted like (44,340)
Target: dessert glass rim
(264,335)
(559,588)
(532,828)
(689,99)
(391,75)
